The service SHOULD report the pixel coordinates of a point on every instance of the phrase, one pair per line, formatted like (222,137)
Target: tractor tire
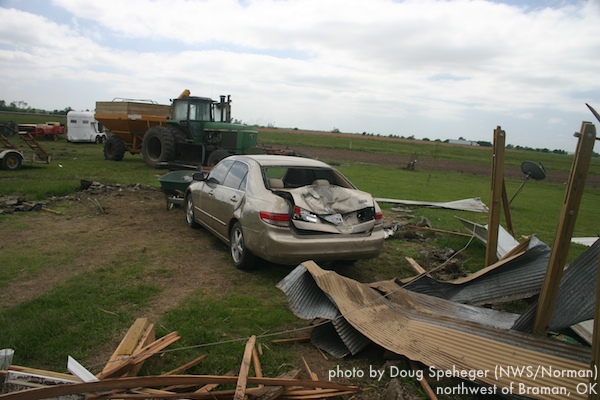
(114,148)
(158,146)
(216,156)
(12,162)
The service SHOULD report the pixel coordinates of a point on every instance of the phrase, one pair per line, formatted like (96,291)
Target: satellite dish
(531,171)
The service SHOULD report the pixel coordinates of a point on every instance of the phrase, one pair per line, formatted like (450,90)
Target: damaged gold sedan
(285,210)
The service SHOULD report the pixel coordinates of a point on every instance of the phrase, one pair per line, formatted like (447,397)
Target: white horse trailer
(83,127)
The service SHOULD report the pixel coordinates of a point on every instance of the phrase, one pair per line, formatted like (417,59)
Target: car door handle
(211,193)
(233,198)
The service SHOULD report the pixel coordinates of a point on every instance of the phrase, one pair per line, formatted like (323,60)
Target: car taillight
(304,215)
(379,218)
(275,218)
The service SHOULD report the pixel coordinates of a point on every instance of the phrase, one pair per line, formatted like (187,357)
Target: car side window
(236,176)
(218,173)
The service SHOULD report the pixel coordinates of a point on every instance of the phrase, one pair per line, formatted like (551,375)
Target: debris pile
(119,380)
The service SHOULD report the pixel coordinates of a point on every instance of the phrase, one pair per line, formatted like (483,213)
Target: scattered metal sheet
(517,277)
(506,242)
(586,241)
(457,348)
(576,296)
(474,204)
(338,338)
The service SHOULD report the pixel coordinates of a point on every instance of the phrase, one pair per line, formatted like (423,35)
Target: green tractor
(193,131)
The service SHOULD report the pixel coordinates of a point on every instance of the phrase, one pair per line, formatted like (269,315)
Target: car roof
(279,160)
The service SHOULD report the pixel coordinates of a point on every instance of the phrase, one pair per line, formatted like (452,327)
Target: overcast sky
(429,68)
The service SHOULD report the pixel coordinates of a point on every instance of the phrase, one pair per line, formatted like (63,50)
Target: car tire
(189,212)
(240,255)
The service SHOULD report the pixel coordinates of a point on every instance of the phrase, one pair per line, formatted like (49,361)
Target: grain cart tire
(158,146)
(114,149)
(12,161)
(216,156)
(240,255)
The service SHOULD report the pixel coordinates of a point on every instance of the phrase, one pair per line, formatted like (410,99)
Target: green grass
(83,312)
(418,148)
(71,163)
(90,310)
(30,118)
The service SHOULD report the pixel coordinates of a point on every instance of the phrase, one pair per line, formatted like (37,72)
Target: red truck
(49,130)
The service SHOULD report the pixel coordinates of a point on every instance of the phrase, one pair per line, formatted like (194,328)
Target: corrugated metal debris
(576,297)
(517,277)
(429,330)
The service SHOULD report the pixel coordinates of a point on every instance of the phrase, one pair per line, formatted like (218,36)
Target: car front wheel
(242,258)
(189,212)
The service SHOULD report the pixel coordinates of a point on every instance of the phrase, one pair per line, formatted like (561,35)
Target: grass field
(72,316)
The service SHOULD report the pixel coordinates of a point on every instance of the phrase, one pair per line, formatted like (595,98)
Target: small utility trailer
(12,158)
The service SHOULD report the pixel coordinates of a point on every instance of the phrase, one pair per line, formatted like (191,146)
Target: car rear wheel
(189,212)
(242,258)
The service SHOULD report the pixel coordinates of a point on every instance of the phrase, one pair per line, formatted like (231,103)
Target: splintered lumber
(186,366)
(273,392)
(240,390)
(311,374)
(139,356)
(207,388)
(129,343)
(416,266)
(154,381)
(43,372)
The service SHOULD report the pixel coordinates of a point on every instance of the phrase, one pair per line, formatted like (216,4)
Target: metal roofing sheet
(576,295)
(518,277)
(449,344)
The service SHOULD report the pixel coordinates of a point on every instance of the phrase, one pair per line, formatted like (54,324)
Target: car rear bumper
(282,247)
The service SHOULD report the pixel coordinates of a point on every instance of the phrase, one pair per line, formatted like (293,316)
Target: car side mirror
(198,176)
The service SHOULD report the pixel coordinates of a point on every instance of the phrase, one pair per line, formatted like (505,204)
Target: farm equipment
(193,130)
(12,158)
(49,130)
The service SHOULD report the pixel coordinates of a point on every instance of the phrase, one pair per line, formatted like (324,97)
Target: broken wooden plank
(186,366)
(129,342)
(240,390)
(149,381)
(415,265)
(495,196)
(273,392)
(139,356)
(566,225)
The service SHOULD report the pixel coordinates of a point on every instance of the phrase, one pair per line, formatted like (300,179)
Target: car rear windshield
(294,177)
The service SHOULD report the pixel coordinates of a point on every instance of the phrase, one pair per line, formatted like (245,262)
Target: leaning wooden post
(595,363)
(496,197)
(566,225)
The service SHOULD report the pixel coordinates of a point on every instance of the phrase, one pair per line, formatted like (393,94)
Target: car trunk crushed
(330,209)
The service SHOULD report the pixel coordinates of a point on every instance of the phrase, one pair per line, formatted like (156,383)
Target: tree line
(21,106)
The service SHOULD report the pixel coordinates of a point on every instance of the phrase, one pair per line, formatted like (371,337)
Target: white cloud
(431,68)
